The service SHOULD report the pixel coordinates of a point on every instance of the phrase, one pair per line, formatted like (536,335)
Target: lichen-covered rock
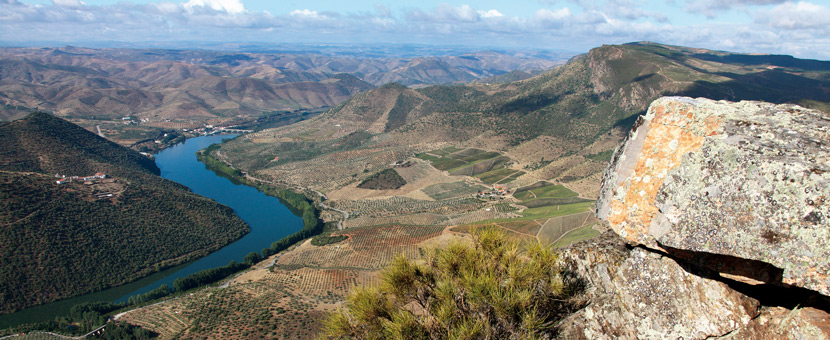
(742,188)
(780,323)
(639,294)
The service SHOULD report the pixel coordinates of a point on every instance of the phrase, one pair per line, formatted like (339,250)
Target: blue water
(268,219)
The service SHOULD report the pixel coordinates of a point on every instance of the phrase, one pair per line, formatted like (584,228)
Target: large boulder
(639,294)
(740,188)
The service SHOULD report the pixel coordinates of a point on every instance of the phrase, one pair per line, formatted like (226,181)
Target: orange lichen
(674,132)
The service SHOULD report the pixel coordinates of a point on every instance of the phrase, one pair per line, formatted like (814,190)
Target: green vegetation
(383,180)
(442,191)
(494,289)
(581,234)
(207,276)
(498,175)
(325,237)
(547,191)
(488,166)
(214,164)
(312,225)
(123,331)
(557,210)
(440,163)
(65,240)
(604,156)
(300,151)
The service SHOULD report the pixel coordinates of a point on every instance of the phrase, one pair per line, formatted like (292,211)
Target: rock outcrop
(740,188)
(637,294)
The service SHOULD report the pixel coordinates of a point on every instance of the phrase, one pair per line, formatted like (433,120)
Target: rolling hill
(553,125)
(64,240)
(525,156)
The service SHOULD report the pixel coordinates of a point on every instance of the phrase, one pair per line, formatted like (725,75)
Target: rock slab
(639,294)
(741,188)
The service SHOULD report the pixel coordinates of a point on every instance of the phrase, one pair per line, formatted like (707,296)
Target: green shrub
(495,288)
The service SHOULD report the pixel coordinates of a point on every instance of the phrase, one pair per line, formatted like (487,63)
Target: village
(63,179)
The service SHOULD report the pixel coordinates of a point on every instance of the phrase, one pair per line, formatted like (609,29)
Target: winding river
(268,218)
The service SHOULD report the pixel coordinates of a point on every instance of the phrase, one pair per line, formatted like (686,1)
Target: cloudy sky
(800,28)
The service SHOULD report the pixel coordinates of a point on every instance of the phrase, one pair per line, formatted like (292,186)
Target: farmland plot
(398,205)
(366,247)
(558,226)
(443,191)
(413,219)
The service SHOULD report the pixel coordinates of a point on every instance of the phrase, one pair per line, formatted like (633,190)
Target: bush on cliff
(495,288)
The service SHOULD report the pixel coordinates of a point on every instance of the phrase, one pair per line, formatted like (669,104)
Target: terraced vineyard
(491,167)
(398,205)
(543,194)
(556,227)
(442,191)
(329,285)
(351,165)
(366,247)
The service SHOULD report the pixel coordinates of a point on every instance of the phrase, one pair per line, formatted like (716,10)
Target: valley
(398,169)
(524,156)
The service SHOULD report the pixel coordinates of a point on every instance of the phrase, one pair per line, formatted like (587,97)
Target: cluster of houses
(493,193)
(63,179)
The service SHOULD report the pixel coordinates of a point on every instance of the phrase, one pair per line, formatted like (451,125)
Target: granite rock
(741,188)
(639,294)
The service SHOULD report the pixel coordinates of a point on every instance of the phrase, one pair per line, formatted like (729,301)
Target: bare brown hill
(560,125)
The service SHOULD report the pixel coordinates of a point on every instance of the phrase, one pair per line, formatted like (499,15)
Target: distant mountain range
(64,240)
(556,125)
(165,85)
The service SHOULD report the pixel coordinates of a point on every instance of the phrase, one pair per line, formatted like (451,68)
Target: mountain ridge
(64,240)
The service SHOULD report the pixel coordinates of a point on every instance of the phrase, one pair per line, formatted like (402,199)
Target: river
(267,217)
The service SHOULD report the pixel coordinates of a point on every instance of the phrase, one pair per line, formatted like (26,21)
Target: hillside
(63,240)
(525,156)
(552,126)
(159,91)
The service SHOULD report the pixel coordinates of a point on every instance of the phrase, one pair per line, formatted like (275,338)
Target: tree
(492,288)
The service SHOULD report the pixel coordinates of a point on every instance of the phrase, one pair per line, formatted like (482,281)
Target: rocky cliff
(717,213)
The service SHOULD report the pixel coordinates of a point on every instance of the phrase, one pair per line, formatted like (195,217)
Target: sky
(799,28)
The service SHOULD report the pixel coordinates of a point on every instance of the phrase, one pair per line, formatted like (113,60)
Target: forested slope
(62,240)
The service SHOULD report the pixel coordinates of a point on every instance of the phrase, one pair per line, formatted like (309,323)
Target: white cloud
(489,14)
(68,3)
(545,14)
(711,8)
(799,28)
(801,15)
(307,13)
(229,6)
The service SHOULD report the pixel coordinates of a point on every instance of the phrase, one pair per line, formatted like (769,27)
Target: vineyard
(329,285)
(556,227)
(414,219)
(398,205)
(442,191)
(351,165)
(490,167)
(164,319)
(366,247)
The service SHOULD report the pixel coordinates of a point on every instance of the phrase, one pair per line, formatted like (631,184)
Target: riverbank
(271,216)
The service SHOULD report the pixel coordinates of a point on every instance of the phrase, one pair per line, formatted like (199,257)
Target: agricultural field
(555,228)
(472,162)
(290,297)
(585,232)
(398,205)
(542,194)
(500,176)
(442,191)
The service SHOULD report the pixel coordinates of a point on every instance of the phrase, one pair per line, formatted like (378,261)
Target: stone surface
(741,188)
(781,323)
(639,294)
